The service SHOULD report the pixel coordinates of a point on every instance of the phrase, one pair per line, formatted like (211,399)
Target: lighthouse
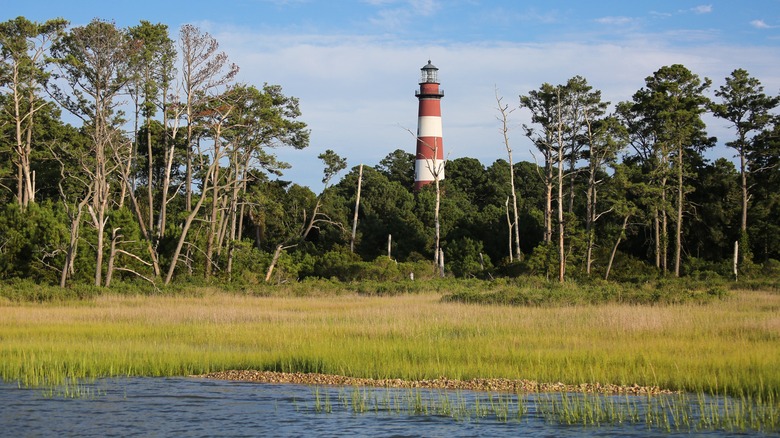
(429,160)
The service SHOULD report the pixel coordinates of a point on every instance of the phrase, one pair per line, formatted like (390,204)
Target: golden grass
(728,346)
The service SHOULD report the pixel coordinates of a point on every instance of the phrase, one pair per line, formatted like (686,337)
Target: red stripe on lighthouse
(430,107)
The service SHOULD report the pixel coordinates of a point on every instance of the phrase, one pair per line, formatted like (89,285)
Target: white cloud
(702,9)
(424,7)
(619,21)
(396,14)
(760,24)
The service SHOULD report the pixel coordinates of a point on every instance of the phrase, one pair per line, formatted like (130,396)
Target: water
(192,407)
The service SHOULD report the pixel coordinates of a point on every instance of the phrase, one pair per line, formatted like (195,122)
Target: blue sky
(354,64)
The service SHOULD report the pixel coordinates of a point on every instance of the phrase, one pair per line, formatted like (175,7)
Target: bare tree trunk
(572,180)
(19,187)
(214,206)
(20,190)
(188,170)
(561,228)
(70,255)
(657,234)
(504,110)
(225,214)
(614,248)
(436,217)
(518,253)
(390,246)
(188,222)
(234,219)
(150,176)
(100,202)
(680,201)
(548,212)
(313,220)
(509,225)
(357,206)
(441,263)
(277,254)
(745,195)
(589,222)
(664,239)
(28,174)
(126,169)
(99,220)
(275,258)
(169,153)
(112,256)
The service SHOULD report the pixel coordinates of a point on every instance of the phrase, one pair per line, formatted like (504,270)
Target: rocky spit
(485,385)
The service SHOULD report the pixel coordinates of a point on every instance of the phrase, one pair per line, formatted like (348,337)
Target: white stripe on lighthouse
(429,126)
(423,169)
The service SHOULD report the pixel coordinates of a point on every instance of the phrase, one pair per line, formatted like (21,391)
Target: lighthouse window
(429,76)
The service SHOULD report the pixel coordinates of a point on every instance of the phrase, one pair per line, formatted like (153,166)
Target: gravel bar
(486,385)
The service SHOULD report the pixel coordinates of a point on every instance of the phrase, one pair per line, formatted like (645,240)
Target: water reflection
(197,407)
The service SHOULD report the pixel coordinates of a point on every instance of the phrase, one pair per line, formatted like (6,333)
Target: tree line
(172,175)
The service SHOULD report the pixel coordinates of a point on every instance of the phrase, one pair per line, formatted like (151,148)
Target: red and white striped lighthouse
(429,161)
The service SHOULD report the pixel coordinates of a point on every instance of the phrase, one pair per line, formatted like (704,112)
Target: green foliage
(398,166)
(466,258)
(31,242)
(532,291)
(249,262)
(347,267)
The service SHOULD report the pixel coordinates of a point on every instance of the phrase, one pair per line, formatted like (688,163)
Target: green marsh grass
(727,347)
(678,412)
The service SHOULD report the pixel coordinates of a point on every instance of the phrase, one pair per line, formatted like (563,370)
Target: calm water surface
(200,408)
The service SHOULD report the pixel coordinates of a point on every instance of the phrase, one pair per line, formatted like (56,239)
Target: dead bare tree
(203,69)
(505,111)
(357,206)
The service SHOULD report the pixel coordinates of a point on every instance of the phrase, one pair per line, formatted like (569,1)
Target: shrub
(539,292)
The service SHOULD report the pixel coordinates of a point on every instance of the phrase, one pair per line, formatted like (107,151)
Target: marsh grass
(70,388)
(727,347)
(680,412)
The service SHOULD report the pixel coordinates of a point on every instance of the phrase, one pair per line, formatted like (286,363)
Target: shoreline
(476,384)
